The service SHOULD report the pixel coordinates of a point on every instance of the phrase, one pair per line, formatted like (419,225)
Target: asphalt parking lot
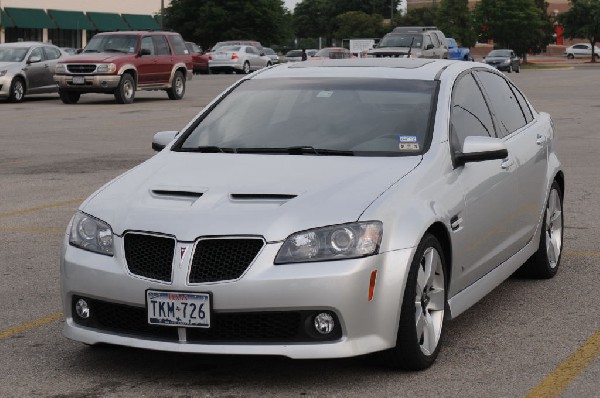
(527,338)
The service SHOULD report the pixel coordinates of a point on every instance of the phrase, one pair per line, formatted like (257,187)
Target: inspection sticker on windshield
(407,138)
(409,146)
(324,94)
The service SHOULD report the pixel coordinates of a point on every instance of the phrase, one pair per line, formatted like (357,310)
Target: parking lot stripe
(32,229)
(37,208)
(553,385)
(4,334)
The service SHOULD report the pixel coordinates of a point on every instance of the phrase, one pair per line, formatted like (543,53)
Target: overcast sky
(290,4)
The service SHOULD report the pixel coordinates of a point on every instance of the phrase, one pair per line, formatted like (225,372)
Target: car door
(35,71)
(52,55)
(147,65)
(515,61)
(486,224)
(526,140)
(164,59)
(252,57)
(428,47)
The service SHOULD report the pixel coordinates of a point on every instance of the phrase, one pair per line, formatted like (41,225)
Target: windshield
(13,54)
(401,41)
(112,43)
(368,117)
(499,53)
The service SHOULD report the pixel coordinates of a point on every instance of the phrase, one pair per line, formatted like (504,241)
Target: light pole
(162,14)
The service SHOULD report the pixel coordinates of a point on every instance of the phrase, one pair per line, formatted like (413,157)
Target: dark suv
(120,63)
(412,42)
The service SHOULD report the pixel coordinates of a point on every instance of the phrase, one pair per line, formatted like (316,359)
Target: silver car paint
(408,194)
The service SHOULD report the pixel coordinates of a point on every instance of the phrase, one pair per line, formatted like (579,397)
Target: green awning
(106,22)
(158,20)
(141,22)
(30,18)
(5,20)
(70,20)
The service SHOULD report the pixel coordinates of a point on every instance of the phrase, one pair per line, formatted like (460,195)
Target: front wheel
(518,68)
(69,97)
(17,90)
(125,92)
(510,69)
(570,56)
(422,315)
(545,261)
(246,68)
(177,89)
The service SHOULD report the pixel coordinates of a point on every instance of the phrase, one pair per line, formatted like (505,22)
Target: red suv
(120,63)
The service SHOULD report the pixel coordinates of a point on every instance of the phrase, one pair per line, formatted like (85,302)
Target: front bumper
(5,82)
(337,287)
(93,83)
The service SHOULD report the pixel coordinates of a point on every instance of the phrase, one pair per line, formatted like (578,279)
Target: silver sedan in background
(27,68)
(241,59)
(321,209)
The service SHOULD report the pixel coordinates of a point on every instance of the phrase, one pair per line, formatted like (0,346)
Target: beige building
(70,23)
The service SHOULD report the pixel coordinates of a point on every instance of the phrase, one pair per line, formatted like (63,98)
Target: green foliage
(514,24)
(357,24)
(420,16)
(209,21)
(455,20)
(582,20)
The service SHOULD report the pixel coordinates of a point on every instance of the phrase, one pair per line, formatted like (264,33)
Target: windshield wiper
(298,150)
(114,50)
(209,149)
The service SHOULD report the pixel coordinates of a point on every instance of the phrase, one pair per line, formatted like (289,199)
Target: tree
(357,24)
(420,16)
(514,24)
(455,20)
(209,21)
(582,20)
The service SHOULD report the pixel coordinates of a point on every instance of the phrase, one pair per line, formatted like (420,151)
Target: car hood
(96,57)
(391,51)
(191,194)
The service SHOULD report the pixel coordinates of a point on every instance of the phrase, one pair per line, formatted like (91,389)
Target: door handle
(506,163)
(540,139)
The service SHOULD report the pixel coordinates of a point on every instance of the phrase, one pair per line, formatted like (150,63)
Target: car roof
(26,44)
(138,32)
(391,68)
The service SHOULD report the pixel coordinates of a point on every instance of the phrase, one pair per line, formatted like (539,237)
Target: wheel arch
(439,231)
(179,67)
(131,70)
(560,180)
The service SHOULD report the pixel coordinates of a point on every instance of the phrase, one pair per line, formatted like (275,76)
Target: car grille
(81,68)
(223,259)
(149,256)
(266,326)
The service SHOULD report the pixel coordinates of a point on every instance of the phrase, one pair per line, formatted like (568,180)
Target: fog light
(324,323)
(82,308)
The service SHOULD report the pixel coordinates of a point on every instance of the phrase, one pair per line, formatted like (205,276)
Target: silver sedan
(27,68)
(321,209)
(241,59)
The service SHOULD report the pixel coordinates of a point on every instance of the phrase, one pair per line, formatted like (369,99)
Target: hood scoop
(265,198)
(177,194)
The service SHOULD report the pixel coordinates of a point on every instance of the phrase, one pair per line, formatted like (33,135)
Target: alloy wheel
(554,228)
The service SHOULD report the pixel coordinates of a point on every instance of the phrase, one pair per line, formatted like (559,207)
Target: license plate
(78,80)
(178,309)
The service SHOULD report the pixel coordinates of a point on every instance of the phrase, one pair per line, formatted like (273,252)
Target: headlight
(91,234)
(60,68)
(335,242)
(107,68)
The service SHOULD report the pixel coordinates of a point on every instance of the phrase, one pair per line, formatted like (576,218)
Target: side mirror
(429,47)
(480,149)
(262,54)
(145,51)
(162,139)
(79,50)
(34,59)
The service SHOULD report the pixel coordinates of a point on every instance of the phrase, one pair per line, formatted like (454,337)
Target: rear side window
(147,44)
(503,102)
(178,45)
(161,44)
(469,115)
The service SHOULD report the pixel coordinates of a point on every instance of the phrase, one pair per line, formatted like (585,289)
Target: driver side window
(37,52)
(148,44)
(469,114)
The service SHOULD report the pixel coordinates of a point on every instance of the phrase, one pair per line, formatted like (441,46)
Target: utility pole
(391,11)
(162,14)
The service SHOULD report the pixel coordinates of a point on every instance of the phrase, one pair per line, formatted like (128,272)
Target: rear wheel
(17,90)
(125,92)
(422,315)
(177,89)
(518,69)
(544,263)
(510,69)
(246,68)
(69,97)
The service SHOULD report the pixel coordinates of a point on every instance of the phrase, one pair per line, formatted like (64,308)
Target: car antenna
(410,47)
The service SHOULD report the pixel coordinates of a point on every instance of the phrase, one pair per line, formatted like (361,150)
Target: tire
(570,56)
(510,69)
(466,58)
(269,64)
(17,90)
(177,90)
(545,261)
(125,92)
(69,97)
(421,329)
(518,69)
(246,68)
